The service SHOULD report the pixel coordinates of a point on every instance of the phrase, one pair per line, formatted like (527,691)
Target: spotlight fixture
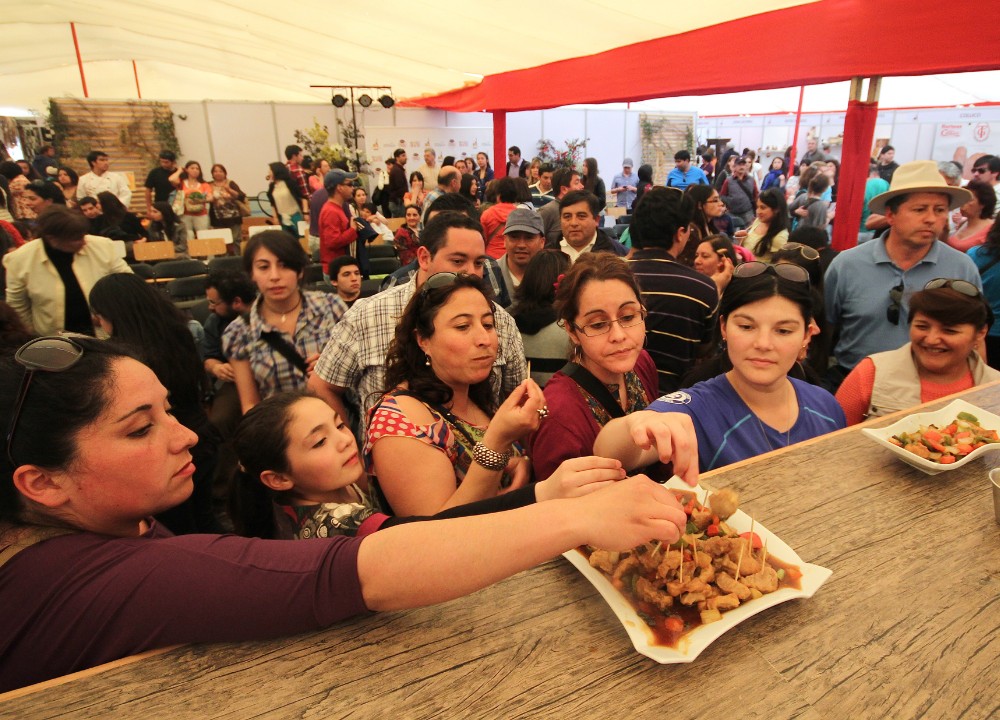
(339,100)
(365,100)
(386,101)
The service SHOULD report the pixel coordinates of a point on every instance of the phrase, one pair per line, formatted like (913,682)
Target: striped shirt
(682,305)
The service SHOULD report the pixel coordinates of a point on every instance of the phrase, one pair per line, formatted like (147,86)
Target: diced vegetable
(755,540)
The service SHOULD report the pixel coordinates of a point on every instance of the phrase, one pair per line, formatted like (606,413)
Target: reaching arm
(646,436)
(246,386)
(422,563)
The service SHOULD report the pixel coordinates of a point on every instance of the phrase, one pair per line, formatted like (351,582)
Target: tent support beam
(135,72)
(790,170)
(499,143)
(859,131)
(79,59)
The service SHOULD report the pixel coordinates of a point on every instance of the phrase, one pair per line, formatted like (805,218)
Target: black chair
(382,265)
(170,269)
(230,263)
(370,287)
(381,251)
(619,230)
(143,270)
(312,274)
(197,309)
(187,288)
(321,287)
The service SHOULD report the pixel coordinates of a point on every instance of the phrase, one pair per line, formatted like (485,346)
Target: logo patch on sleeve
(676,398)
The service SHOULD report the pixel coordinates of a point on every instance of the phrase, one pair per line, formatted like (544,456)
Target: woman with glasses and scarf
(755,407)
(87,576)
(609,374)
(436,439)
(948,322)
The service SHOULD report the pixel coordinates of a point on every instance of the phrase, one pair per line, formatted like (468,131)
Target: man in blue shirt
(683,175)
(867,288)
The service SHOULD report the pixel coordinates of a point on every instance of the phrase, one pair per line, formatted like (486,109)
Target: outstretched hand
(673,437)
(631,512)
(579,476)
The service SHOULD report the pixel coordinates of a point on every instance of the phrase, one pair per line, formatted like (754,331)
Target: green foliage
(315,142)
(571,157)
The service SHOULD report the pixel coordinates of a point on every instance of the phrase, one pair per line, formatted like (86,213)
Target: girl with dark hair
(470,189)
(978,214)
(987,259)
(644,183)
(711,253)
(68,180)
(288,207)
(775,175)
(755,407)
(196,195)
(609,374)
(948,320)
(483,174)
(592,182)
(89,577)
(710,214)
(546,345)
(417,192)
(436,439)
(275,346)
(132,311)
(116,222)
(164,225)
(227,210)
(39,195)
(769,230)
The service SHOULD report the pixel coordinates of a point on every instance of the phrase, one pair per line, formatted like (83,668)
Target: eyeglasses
(754,268)
(895,300)
(437,281)
(602,327)
(47,354)
(980,170)
(804,251)
(959,286)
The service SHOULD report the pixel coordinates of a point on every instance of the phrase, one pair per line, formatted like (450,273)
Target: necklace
(788,432)
(285,313)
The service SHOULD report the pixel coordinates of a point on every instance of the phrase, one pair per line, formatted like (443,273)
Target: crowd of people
(485,406)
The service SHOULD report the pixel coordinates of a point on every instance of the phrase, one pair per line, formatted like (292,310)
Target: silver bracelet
(490,459)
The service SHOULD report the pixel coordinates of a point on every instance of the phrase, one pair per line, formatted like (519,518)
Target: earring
(427,362)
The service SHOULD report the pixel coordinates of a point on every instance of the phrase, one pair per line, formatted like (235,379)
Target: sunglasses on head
(960,286)
(437,281)
(895,303)
(804,251)
(794,273)
(46,354)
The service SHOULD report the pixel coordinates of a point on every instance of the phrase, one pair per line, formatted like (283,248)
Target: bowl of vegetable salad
(941,440)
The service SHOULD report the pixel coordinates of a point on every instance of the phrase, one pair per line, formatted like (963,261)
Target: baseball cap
(627,162)
(337,176)
(524,220)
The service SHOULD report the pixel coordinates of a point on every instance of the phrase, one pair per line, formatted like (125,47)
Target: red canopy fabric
(825,41)
(859,128)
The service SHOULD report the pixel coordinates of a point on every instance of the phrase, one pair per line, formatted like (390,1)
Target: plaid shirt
(355,356)
(295,170)
(273,373)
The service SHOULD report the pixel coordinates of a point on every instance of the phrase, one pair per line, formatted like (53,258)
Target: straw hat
(921,176)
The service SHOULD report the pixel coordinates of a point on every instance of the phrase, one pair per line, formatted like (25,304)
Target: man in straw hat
(867,288)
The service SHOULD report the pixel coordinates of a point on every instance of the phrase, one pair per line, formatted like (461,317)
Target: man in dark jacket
(579,216)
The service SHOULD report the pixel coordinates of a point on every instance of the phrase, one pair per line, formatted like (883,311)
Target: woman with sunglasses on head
(755,407)
(948,321)
(88,577)
(609,374)
(436,439)
(817,350)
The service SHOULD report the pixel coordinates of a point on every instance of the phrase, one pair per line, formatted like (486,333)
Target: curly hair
(407,363)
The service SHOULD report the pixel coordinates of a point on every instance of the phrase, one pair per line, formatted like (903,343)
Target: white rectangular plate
(694,642)
(941,418)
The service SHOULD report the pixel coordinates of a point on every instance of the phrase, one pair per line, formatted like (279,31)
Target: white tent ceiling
(264,51)
(256,50)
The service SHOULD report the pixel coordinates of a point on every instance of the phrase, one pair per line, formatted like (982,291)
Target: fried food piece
(701,517)
(722,602)
(918,449)
(649,592)
(730,585)
(629,563)
(724,502)
(766,580)
(604,560)
(710,616)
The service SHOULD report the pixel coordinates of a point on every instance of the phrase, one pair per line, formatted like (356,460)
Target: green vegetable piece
(968,417)
(781,573)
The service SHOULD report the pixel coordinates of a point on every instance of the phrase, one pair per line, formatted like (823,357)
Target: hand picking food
(948,444)
(711,569)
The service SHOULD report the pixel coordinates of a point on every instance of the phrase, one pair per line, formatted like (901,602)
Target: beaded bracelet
(490,459)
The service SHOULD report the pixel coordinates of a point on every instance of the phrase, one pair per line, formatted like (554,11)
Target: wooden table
(907,627)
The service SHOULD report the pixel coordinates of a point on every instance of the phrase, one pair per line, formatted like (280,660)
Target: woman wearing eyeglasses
(710,215)
(948,321)
(88,577)
(755,407)
(436,439)
(609,374)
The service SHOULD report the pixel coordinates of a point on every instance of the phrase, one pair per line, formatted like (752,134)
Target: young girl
(300,477)
(769,230)
(165,225)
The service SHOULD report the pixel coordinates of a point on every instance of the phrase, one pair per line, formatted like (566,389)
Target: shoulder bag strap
(585,379)
(285,349)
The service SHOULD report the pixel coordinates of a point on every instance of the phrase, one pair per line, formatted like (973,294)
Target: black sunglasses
(438,281)
(795,273)
(895,300)
(46,354)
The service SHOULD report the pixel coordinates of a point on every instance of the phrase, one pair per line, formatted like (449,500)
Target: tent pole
(135,72)
(859,130)
(79,59)
(499,143)
(795,133)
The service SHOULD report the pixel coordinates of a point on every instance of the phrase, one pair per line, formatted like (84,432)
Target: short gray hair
(950,170)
